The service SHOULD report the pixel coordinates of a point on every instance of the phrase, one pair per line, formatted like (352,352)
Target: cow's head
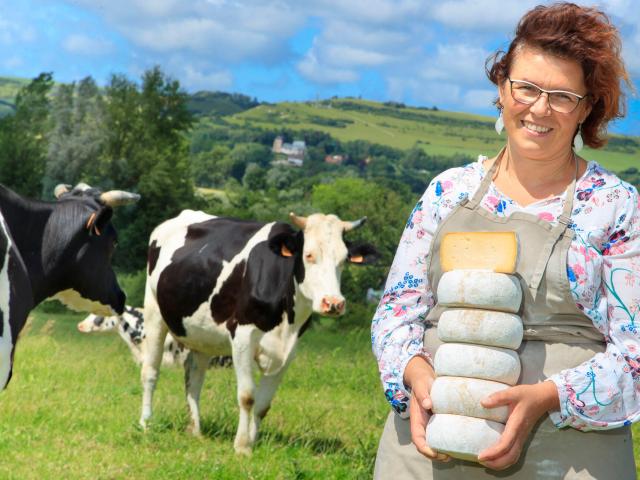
(79,241)
(97,323)
(321,252)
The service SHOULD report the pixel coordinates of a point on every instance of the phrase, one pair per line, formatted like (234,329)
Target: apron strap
(484,185)
(564,220)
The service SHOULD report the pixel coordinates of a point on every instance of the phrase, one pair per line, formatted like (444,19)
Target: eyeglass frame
(548,92)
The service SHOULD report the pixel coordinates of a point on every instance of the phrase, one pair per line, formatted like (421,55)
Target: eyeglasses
(560,101)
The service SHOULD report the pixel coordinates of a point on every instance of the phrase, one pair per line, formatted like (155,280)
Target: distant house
(277,144)
(334,159)
(293,152)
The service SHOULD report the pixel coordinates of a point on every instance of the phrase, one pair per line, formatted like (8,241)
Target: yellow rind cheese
(495,251)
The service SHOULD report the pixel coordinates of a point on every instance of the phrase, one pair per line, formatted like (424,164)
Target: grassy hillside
(9,87)
(437,132)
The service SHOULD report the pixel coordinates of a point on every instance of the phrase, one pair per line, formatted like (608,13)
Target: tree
(254,177)
(78,136)
(146,151)
(386,211)
(23,136)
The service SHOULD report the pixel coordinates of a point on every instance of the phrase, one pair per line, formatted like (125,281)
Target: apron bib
(557,336)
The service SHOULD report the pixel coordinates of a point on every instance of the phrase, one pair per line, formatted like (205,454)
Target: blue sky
(420,52)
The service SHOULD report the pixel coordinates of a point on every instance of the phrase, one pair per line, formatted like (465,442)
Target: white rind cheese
(462,396)
(477,361)
(462,437)
(479,289)
(495,251)
(484,327)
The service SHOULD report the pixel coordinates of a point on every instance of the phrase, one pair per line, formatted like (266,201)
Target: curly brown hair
(585,35)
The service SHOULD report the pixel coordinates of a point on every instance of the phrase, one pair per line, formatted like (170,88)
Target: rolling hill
(392,124)
(347,119)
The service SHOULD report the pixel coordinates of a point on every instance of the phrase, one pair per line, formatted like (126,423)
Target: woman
(559,84)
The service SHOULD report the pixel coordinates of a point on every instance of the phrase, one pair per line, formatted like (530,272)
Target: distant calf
(130,327)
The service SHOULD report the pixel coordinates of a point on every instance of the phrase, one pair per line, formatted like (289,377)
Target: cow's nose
(332,305)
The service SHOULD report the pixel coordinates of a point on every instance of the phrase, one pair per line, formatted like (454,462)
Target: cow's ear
(362,253)
(284,244)
(97,221)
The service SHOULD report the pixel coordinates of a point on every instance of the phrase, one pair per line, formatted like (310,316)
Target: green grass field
(72,407)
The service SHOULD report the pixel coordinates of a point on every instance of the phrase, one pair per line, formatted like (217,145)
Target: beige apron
(557,336)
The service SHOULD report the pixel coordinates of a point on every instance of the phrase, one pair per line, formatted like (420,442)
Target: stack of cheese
(481,333)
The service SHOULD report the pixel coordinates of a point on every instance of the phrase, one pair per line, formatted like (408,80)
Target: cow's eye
(309,257)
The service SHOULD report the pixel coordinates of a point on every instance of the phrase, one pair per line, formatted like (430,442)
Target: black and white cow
(130,328)
(60,249)
(225,286)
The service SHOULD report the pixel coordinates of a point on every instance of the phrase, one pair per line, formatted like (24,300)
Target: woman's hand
(419,376)
(527,403)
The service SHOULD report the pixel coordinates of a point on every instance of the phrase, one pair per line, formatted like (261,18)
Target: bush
(133,285)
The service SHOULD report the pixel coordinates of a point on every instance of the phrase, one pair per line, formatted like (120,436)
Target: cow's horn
(60,190)
(83,187)
(116,198)
(300,222)
(353,225)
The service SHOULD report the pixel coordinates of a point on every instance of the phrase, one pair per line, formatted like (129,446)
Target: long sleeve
(604,392)
(399,322)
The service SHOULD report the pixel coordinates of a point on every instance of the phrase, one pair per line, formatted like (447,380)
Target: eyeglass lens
(562,102)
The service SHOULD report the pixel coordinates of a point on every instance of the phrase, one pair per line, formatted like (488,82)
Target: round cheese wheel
(462,437)
(496,329)
(477,361)
(479,289)
(461,396)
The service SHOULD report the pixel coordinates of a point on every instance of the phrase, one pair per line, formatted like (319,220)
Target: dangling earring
(577,140)
(499,123)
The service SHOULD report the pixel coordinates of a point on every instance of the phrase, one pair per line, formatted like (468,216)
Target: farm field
(72,407)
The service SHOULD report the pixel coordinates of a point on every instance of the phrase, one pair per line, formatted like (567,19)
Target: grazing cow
(225,286)
(130,327)
(60,249)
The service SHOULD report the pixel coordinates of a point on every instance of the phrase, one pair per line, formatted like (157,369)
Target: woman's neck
(537,174)
(527,180)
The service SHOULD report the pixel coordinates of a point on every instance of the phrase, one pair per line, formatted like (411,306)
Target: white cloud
(227,31)
(12,62)
(478,99)
(487,15)
(457,63)
(194,80)
(312,70)
(80,44)
(12,32)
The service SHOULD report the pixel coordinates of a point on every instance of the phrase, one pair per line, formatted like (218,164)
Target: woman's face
(536,130)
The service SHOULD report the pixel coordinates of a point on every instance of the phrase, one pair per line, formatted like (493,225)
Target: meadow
(72,407)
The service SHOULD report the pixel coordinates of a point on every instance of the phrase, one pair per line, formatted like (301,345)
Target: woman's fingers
(509,458)
(507,440)
(498,399)
(418,420)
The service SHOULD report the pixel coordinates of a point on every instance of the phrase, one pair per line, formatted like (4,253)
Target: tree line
(153,138)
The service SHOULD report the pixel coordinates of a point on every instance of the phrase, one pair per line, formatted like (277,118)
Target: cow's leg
(264,395)
(244,345)
(195,367)
(153,347)
(6,359)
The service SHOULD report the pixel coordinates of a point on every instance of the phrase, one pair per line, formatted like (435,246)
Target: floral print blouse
(603,268)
